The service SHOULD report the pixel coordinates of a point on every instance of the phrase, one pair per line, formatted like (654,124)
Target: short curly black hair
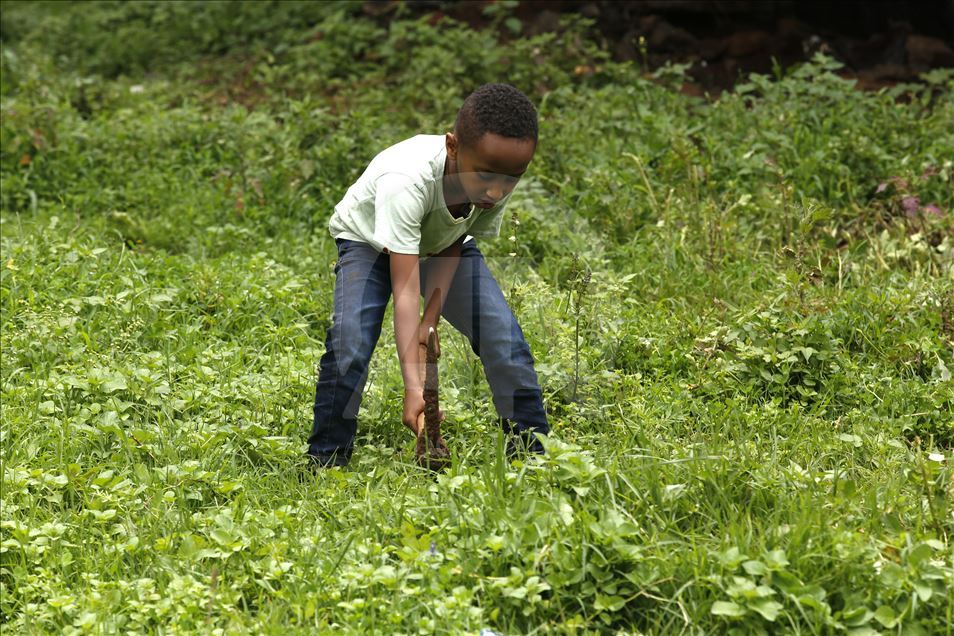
(500,109)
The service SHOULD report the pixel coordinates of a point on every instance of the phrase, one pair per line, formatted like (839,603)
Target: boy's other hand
(422,335)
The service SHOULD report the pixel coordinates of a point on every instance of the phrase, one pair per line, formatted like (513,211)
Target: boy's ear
(450,142)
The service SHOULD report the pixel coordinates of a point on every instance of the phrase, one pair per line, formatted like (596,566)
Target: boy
(406,227)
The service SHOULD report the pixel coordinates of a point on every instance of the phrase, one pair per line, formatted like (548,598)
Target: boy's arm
(406,286)
(436,286)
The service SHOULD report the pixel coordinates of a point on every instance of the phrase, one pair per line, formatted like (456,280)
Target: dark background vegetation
(879,42)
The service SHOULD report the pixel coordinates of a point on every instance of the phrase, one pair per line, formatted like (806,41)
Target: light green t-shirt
(398,203)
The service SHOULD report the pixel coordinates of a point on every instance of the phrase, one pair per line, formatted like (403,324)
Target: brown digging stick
(432,452)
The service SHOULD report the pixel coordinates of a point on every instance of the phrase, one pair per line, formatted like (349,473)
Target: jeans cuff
(520,442)
(329,460)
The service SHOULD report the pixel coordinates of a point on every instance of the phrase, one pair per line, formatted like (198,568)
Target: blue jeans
(475,306)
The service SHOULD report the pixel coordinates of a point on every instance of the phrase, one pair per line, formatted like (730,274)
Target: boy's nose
(494,194)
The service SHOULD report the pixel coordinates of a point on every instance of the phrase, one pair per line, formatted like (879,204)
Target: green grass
(745,347)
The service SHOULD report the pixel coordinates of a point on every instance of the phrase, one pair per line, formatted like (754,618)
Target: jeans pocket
(343,245)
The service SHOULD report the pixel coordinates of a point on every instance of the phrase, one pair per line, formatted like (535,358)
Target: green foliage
(741,309)
(766,355)
(115,38)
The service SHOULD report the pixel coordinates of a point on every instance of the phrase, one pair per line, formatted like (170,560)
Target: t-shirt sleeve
(399,207)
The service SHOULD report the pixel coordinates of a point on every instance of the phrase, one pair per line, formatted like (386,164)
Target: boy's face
(489,169)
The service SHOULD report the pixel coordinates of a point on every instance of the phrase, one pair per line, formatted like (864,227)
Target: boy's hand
(413,409)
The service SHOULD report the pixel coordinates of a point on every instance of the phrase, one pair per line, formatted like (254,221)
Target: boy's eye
(490,176)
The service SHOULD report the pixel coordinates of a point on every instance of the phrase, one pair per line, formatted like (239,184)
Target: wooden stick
(431,450)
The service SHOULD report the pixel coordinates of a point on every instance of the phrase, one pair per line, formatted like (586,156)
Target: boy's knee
(352,353)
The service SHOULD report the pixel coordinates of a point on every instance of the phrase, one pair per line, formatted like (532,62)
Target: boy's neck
(454,197)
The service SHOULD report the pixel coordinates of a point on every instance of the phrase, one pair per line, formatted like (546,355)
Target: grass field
(742,313)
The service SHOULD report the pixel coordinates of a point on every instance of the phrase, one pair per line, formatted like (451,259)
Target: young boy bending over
(407,228)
